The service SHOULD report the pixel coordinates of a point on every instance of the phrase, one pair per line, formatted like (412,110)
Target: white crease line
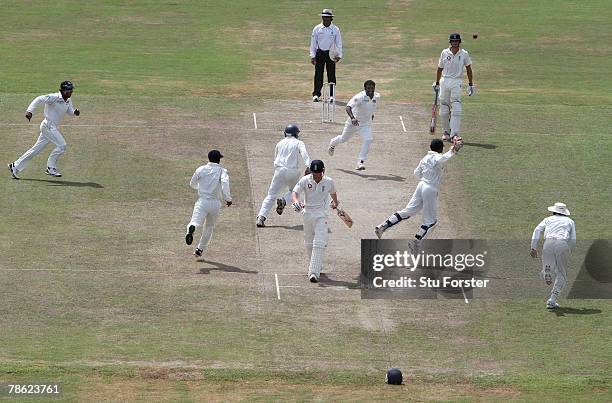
(333,287)
(277,287)
(464,296)
(402,121)
(255,120)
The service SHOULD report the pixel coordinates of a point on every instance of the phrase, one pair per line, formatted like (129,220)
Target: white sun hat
(327,12)
(560,208)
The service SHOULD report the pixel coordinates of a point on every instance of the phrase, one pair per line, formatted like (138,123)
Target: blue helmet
(292,130)
(394,376)
(454,37)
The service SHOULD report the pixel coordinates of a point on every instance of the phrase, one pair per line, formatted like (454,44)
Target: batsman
(449,77)
(317,190)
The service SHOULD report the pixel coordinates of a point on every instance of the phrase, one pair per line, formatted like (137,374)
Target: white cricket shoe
(198,252)
(552,305)
(379,230)
(332,99)
(315,98)
(189,235)
(312,278)
(53,172)
(446,137)
(13,170)
(260,222)
(331,150)
(360,166)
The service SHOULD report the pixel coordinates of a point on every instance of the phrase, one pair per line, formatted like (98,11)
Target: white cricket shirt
(363,107)
(323,37)
(210,181)
(453,64)
(316,195)
(555,227)
(288,152)
(55,107)
(431,166)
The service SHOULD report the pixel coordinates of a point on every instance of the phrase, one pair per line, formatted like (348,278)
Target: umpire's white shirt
(431,166)
(210,181)
(288,152)
(55,107)
(555,227)
(453,64)
(363,107)
(316,195)
(323,37)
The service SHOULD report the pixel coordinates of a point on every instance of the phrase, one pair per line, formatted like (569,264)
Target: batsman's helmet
(292,130)
(66,86)
(394,376)
(317,166)
(454,37)
(215,156)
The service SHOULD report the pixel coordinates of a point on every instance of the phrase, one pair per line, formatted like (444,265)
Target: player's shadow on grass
(223,267)
(299,227)
(66,183)
(394,178)
(573,311)
(325,281)
(480,145)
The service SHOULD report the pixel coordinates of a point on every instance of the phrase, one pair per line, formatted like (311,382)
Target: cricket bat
(434,108)
(345,217)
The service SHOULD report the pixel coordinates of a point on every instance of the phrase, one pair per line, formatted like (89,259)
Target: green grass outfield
(95,294)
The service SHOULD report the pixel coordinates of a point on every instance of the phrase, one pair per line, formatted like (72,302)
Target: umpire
(325,38)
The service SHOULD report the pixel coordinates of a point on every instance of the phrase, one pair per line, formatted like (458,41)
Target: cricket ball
(475,36)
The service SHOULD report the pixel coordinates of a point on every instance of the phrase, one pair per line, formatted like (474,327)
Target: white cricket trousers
(450,103)
(555,256)
(49,133)
(205,211)
(425,197)
(316,235)
(284,178)
(349,131)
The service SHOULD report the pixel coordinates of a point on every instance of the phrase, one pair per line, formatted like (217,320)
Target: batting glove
(471,90)
(297,206)
(436,87)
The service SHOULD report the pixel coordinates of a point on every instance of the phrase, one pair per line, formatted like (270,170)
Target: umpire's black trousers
(323,61)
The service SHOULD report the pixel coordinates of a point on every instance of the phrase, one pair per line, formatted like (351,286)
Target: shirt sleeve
(194,179)
(313,43)
(70,107)
(339,42)
(537,234)
(418,171)
(572,240)
(43,99)
(300,185)
(332,188)
(304,153)
(441,61)
(354,101)
(225,185)
(467,61)
(445,157)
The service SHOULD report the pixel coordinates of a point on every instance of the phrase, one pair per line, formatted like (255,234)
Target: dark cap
(454,37)
(66,86)
(214,155)
(317,166)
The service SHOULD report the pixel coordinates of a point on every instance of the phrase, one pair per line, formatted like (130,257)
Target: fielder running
(211,181)
(425,196)
(317,190)
(360,110)
(559,237)
(56,106)
(287,172)
(449,77)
